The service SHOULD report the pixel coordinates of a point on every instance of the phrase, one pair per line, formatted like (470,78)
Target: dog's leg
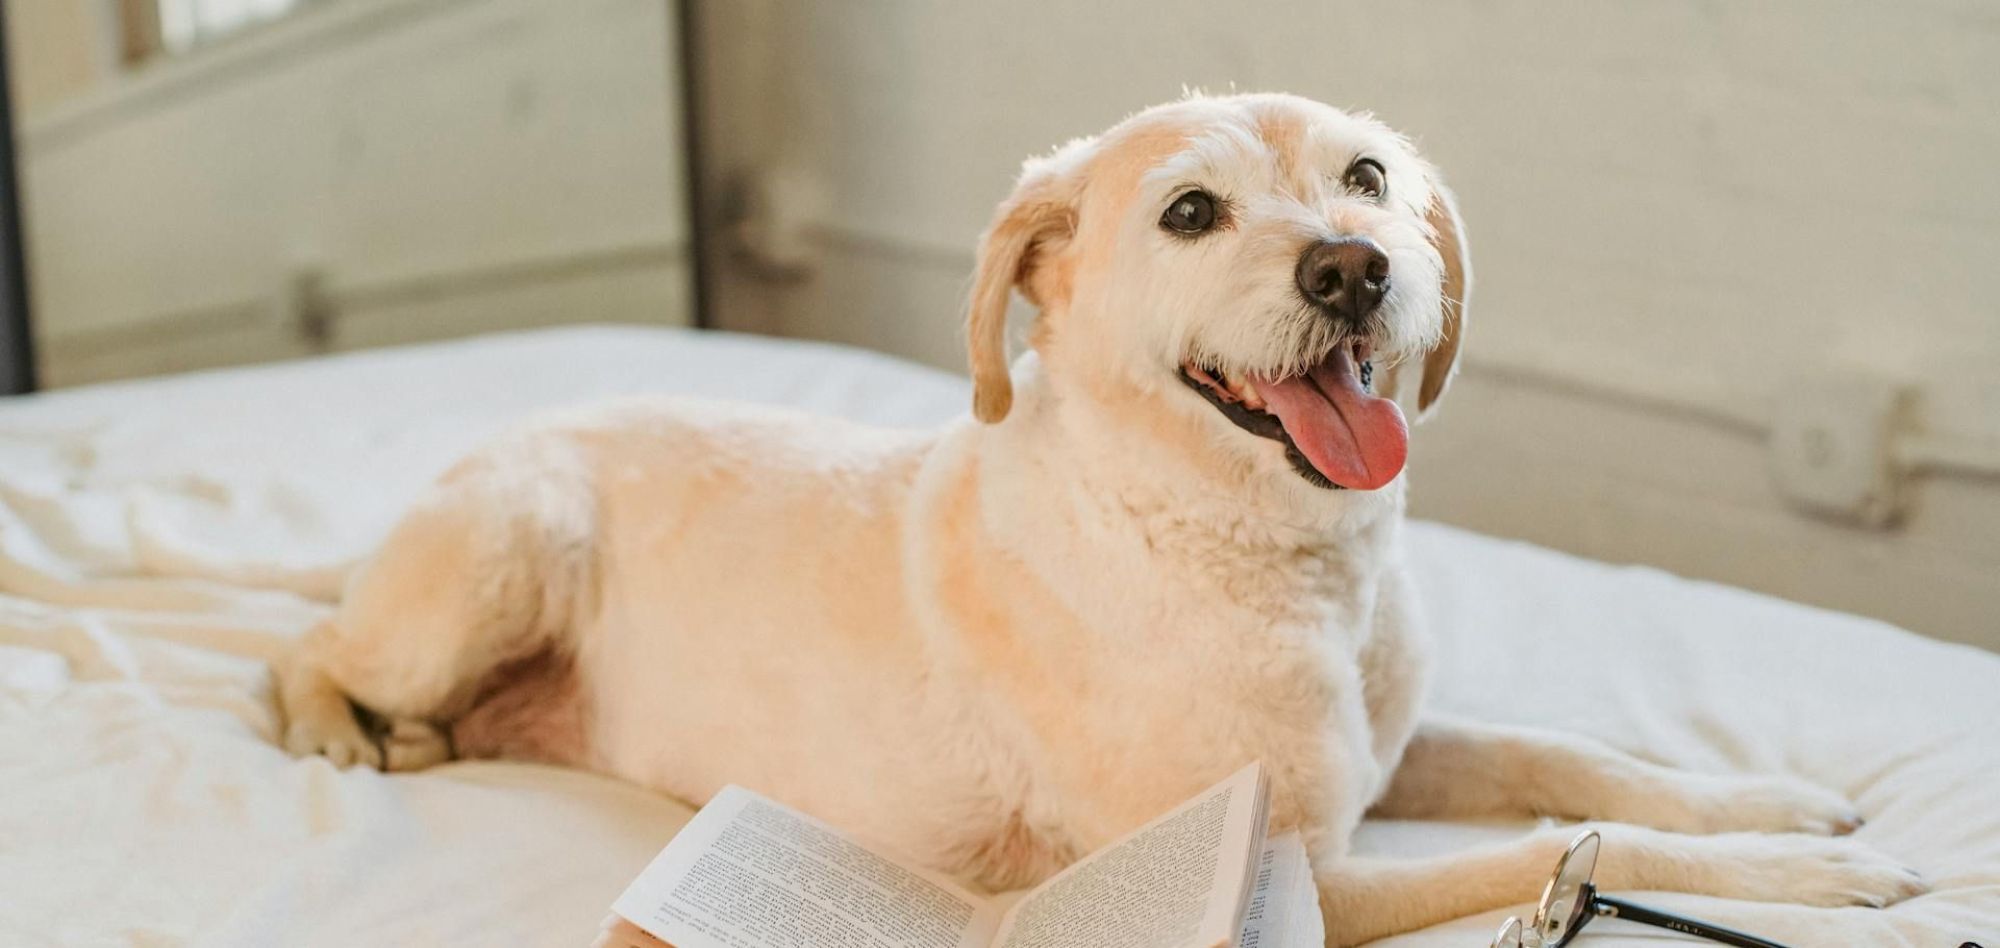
(318,719)
(482,572)
(1366,898)
(1460,769)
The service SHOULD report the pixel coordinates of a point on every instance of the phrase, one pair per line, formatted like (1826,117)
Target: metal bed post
(17,342)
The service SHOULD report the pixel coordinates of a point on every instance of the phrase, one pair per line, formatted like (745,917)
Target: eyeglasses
(1569,902)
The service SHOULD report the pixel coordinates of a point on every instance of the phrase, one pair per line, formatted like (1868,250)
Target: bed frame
(17,342)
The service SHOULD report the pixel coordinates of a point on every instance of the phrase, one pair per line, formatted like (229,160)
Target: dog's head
(1251,269)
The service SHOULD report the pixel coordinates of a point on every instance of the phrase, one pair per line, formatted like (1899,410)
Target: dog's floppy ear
(1448,234)
(1028,232)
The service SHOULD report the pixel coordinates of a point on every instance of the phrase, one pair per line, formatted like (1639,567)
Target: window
(185,24)
(150,27)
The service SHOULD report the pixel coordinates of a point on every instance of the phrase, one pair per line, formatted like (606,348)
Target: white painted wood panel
(421,159)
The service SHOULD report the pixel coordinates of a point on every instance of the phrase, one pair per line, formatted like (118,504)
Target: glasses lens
(1562,910)
(1509,935)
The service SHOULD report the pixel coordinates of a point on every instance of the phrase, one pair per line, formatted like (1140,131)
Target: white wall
(1674,207)
(363,172)
(56,51)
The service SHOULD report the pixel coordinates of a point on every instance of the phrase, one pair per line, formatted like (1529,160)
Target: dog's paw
(1770,804)
(338,738)
(1812,870)
(410,744)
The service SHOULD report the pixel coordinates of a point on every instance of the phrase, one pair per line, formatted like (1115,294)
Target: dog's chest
(1158,727)
(1145,736)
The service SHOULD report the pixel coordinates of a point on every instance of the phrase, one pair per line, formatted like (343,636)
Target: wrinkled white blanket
(159,539)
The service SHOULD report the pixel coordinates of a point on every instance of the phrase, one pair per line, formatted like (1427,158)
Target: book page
(1284,901)
(749,873)
(1180,881)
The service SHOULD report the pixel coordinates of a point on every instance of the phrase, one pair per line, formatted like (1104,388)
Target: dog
(1166,542)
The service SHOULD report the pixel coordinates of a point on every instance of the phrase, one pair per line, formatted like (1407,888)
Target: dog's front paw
(1813,870)
(1769,804)
(338,738)
(1683,802)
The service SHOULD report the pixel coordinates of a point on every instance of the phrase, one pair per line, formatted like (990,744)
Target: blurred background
(1738,307)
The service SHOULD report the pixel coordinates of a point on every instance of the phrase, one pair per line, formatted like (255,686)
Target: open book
(749,873)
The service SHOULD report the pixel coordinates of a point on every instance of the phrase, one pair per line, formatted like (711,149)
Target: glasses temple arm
(1619,908)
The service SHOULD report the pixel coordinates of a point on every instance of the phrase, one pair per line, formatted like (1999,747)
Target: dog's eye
(1191,213)
(1368,178)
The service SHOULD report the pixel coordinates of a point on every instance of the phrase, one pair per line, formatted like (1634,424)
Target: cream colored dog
(1166,545)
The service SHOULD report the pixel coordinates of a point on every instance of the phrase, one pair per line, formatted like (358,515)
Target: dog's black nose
(1345,277)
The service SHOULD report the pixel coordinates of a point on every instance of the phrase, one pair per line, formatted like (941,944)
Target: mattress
(161,539)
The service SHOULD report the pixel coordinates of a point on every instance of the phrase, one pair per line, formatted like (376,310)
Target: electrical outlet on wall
(1833,439)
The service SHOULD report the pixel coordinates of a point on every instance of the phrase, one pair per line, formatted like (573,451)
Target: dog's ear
(1020,248)
(1448,234)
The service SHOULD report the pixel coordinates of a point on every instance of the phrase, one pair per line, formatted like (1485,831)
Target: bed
(159,540)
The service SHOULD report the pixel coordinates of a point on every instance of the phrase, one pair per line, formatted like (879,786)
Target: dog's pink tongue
(1356,439)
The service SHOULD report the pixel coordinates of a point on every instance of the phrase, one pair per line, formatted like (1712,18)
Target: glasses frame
(1591,904)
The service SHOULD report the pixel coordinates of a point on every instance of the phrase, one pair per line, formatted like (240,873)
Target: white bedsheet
(157,539)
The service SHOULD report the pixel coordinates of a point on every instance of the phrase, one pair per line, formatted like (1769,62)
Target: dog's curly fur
(1002,644)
